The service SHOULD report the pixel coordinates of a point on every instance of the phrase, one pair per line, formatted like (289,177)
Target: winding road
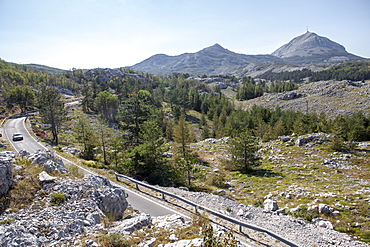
(30,144)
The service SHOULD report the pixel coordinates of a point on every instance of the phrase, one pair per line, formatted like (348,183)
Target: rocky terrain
(330,97)
(69,211)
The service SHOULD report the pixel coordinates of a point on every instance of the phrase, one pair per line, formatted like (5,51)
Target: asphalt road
(17,125)
(30,144)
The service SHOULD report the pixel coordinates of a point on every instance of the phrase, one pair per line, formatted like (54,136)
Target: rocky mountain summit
(305,50)
(310,48)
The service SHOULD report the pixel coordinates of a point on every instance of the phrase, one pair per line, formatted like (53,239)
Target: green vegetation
(24,190)
(354,71)
(57,199)
(128,120)
(250,89)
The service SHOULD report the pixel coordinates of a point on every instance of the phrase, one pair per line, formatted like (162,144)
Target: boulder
(129,225)
(270,205)
(325,209)
(322,223)
(97,181)
(5,177)
(111,201)
(24,153)
(45,177)
(41,156)
(53,167)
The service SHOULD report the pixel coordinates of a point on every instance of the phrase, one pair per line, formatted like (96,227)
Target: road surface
(30,144)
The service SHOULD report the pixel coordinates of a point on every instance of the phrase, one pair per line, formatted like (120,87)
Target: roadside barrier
(210,211)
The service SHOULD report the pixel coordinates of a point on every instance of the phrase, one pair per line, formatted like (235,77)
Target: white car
(17,137)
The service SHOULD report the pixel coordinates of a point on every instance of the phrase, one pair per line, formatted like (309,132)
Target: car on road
(17,137)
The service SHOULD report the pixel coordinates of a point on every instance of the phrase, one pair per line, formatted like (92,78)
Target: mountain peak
(215,47)
(309,44)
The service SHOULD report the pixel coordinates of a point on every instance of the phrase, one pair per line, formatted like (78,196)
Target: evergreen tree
(22,96)
(243,150)
(52,110)
(87,136)
(107,105)
(185,159)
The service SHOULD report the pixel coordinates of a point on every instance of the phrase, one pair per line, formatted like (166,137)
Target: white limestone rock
(45,177)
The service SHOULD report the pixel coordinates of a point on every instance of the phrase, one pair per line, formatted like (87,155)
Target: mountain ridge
(303,50)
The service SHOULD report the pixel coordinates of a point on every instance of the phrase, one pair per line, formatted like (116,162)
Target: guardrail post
(196,209)
(240,229)
(163,198)
(137,187)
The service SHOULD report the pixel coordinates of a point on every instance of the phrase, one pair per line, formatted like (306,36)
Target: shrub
(57,199)
(113,240)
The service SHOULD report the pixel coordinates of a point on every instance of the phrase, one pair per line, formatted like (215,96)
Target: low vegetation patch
(57,199)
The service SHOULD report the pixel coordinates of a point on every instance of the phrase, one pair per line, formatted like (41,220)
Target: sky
(87,34)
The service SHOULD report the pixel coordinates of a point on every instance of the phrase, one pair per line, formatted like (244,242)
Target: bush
(113,240)
(218,180)
(57,199)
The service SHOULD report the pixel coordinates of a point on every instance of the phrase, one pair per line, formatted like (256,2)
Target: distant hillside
(330,97)
(211,60)
(44,68)
(305,50)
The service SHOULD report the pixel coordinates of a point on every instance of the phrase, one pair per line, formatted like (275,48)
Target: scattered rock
(24,153)
(270,205)
(322,223)
(325,209)
(73,151)
(129,225)
(168,221)
(291,95)
(53,167)
(318,138)
(45,177)
(196,242)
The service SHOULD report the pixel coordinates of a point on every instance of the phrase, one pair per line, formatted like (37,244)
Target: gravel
(296,230)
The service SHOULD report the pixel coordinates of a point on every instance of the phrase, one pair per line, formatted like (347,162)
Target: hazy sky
(115,33)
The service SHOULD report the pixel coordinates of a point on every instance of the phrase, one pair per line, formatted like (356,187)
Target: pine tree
(52,110)
(185,159)
(243,150)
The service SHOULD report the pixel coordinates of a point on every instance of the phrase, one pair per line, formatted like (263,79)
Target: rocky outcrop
(317,138)
(135,223)
(47,161)
(45,224)
(5,171)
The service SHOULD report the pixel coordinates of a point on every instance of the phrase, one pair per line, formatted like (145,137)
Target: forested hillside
(355,71)
(137,114)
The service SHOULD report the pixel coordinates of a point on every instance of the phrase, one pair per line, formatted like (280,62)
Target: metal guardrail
(215,213)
